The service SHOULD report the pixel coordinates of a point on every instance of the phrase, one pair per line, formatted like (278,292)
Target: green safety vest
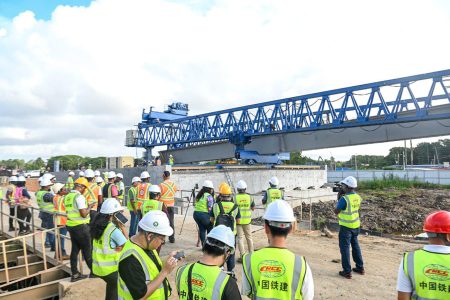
(273,194)
(350,216)
(132,192)
(208,282)
(74,217)
(148,266)
(151,204)
(104,258)
(47,206)
(227,206)
(11,197)
(69,183)
(202,204)
(244,201)
(429,274)
(274,273)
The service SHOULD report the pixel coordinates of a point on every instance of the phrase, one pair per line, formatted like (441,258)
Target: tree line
(66,162)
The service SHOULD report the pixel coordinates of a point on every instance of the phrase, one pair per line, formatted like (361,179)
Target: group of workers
(130,263)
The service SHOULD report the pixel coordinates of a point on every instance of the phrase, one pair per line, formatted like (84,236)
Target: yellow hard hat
(224,189)
(222,184)
(82,181)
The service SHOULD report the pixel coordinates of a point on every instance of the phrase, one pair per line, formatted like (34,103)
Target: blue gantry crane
(287,124)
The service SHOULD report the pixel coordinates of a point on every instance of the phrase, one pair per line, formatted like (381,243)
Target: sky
(75,75)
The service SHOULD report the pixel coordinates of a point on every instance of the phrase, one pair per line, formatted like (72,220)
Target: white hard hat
(279,211)
(57,187)
(71,173)
(110,206)
(145,175)
(274,181)
(111,174)
(81,174)
(157,222)
(120,175)
(170,155)
(99,179)
(350,181)
(208,184)
(12,178)
(223,234)
(21,179)
(96,173)
(89,173)
(45,181)
(48,176)
(154,189)
(241,185)
(40,179)
(135,179)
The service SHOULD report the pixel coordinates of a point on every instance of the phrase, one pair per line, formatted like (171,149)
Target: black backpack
(225,218)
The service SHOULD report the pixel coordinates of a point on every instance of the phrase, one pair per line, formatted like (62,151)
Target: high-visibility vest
(350,216)
(120,187)
(91,194)
(168,190)
(429,274)
(47,206)
(273,194)
(274,273)
(244,201)
(132,192)
(208,282)
(10,198)
(142,191)
(148,266)
(227,207)
(104,258)
(171,161)
(149,205)
(202,203)
(102,184)
(107,190)
(69,183)
(58,204)
(74,217)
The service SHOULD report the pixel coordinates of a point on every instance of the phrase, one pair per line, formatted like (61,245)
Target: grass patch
(395,182)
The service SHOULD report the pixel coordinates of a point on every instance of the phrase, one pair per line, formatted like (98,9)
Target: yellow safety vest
(104,258)
(429,274)
(273,194)
(149,205)
(11,197)
(120,187)
(149,268)
(74,217)
(47,206)
(208,282)
(227,206)
(132,192)
(69,183)
(244,201)
(202,203)
(274,273)
(350,216)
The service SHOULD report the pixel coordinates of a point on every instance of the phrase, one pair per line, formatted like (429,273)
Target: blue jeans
(347,237)
(204,224)
(62,232)
(47,223)
(133,223)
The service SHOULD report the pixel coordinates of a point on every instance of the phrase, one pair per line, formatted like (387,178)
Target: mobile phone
(179,255)
(121,218)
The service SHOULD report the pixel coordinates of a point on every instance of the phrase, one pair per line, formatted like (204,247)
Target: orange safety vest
(168,190)
(58,203)
(142,194)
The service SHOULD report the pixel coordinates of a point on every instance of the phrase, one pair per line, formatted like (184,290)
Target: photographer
(347,210)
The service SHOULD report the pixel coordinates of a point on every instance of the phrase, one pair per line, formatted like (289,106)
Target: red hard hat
(437,222)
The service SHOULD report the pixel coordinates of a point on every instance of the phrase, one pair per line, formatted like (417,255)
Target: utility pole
(412,152)
(405,159)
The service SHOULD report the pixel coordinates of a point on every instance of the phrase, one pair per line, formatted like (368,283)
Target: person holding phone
(142,275)
(108,241)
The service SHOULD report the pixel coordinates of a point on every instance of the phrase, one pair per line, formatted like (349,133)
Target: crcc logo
(437,272)
(271,268)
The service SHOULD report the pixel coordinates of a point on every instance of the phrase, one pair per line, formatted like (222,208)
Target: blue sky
(42,8)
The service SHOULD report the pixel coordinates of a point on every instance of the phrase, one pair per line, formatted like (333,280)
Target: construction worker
(203,205)
(44,198)
(210,281)
(97,174)
(132,205)
(274,272)
(120,187)
(108,240)
(244,227)
(423,274)
(171,160)
(347,210)
(142,189)
(168,190)
(154,202)
(226,212)
(77,225)
(100,182)
(9,198)
(59,190)
(273,192)
(69,182)
(81,174)
(110,189)
(142,275)
(93,193)
(22,198)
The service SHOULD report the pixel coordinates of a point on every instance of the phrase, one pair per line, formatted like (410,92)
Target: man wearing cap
(424,273)
(347,210)
(100,182)
(44,199)
(143,193)
(132,205)
(168,190)
(69,182)
(77,224)
(142,275)
(274,272)
(9,198)
(120,187)
(210,282)
(273,193)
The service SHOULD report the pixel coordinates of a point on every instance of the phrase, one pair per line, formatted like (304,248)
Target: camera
(337,187)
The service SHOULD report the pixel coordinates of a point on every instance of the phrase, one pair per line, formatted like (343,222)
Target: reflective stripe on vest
(244,202)
(202,203)
(132,191)
(74,217)
(142,192)
(58,203)
(273,194)
(167,193)
(10,197)
(120,187)
(227,206)
(47,206)
(104,258)
(69,183)
(91,195)
(350,216)
(261,266)
(428,273)
(208,282)
(149,205)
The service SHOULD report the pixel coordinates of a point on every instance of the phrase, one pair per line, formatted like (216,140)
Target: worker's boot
(359,271)
(346,275)
(77,276)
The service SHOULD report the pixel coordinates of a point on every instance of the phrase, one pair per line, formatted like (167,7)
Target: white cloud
(75,83)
